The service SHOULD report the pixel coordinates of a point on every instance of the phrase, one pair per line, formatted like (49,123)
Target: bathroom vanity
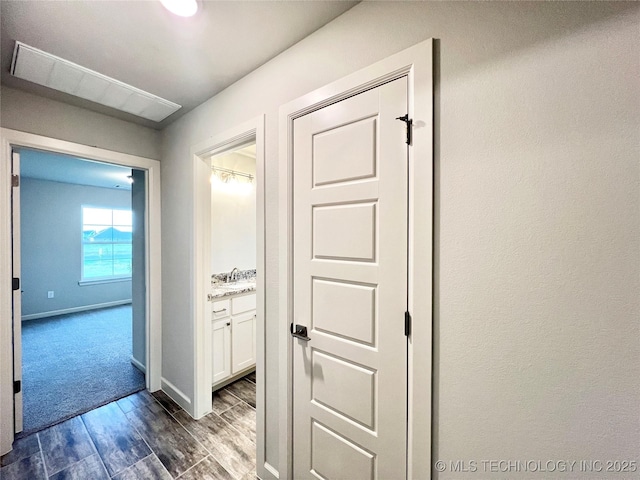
(233,317)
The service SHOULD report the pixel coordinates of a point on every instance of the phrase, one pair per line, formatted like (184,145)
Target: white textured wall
(537,227)
(34,114)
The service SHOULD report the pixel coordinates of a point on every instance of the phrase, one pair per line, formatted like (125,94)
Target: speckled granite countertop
(220,288)
(232,288)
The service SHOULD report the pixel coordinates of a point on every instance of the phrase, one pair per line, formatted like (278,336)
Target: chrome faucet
(233,275)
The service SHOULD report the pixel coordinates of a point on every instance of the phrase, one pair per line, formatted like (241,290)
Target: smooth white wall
(51,246)
(34,114)
(537,218)
(233,220)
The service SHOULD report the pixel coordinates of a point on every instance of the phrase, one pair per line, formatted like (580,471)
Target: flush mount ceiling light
(42,68)
(183,8)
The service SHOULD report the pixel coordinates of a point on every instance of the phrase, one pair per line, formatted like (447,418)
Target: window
(106,243)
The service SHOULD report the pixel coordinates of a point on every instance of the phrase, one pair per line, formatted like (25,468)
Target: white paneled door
(350,288)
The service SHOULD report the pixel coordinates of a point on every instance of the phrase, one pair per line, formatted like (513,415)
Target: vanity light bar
(40,67)
(231,173)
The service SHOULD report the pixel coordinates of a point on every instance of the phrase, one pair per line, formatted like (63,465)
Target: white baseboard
(84,308)
(176,395)
(138,365)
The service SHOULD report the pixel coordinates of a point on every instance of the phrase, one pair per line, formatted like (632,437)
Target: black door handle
(299,332)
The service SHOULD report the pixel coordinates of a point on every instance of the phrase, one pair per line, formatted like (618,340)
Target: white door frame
(415,63)
(18,403)
(15,139)
(252,130)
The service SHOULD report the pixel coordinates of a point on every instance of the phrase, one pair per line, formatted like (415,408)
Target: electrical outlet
(50,294)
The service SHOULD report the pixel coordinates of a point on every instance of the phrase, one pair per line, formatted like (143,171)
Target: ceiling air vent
(54,72)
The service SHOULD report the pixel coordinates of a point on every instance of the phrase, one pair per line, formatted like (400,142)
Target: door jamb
(14,138)
(415,63)
(252,130)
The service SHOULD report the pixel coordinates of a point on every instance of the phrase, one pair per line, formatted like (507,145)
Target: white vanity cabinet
(234,337)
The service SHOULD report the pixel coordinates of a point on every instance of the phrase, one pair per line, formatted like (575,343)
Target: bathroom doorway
(229,173)
(233,300)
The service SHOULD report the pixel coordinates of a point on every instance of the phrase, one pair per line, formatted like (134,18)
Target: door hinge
(407,324)
(15,180)
(17,386)
(16,284)
(409,124)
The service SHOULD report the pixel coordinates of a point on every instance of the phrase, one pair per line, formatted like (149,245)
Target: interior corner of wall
(177,396)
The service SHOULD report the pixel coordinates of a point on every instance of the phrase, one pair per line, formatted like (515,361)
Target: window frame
(105,278)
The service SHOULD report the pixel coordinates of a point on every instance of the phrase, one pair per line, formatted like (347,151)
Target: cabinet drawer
(220,309)
(243,304)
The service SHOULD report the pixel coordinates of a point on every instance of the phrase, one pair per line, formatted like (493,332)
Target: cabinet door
(221,350)
(244,341)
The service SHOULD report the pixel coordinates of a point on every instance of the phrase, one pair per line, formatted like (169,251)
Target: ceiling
(184,60)
(248,151)
(67,169)
(241,160)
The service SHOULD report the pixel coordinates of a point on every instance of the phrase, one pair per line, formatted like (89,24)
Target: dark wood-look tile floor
(145,436)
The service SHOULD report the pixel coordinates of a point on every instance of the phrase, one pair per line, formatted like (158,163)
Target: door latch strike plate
(17,386)
(15,180)
(16,284)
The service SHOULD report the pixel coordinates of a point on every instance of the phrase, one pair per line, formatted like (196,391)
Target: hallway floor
(145,436)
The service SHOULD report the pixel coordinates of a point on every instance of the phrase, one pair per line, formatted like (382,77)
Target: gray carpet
(74,363)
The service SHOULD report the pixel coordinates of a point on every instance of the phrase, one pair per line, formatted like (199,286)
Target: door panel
(358,221)
(345,153)
(350,288)
(345,309)
(344,387)
(17,294)
(334,456)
